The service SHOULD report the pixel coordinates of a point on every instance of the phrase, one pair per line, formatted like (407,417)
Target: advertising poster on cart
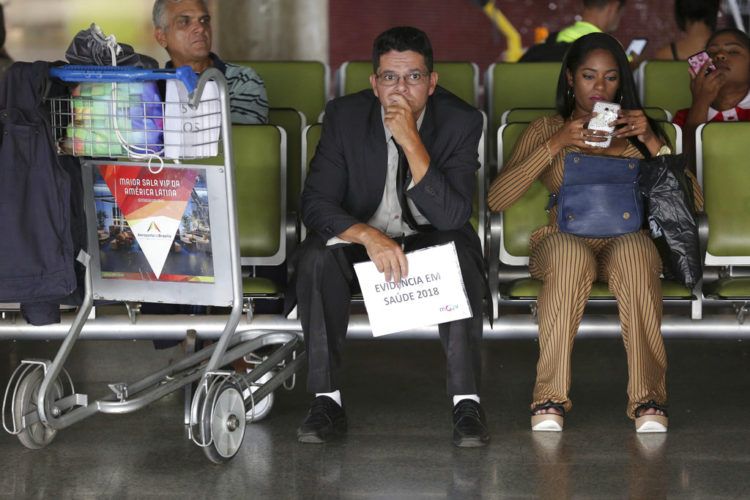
(153,225)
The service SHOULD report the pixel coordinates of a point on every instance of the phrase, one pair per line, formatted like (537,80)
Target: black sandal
(548,421)
(654,422)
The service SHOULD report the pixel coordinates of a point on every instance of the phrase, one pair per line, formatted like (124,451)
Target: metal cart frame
(41,399)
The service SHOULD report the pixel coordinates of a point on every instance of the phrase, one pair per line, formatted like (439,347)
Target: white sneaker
(262,408)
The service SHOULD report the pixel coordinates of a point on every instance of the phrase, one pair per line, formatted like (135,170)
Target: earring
(571,94)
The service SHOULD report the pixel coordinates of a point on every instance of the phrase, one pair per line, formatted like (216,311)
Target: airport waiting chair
(518,85)
(301,85)
(664,84)
(260,175)
(353,76)
(260,164)
(479,218)
(525,115)
(512,229)
(674,133)
(721,153)
(658,114)
(266,235)
(293,122)
(461,78)
(310,139)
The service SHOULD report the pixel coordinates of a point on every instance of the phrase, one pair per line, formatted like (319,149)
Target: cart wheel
(264,406)
(224,422)
(36,435)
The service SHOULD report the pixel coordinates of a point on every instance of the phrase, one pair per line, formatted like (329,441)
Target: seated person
(597,16)
(722,95)
(183,28)
(696,20)
(594,69)
(410,129)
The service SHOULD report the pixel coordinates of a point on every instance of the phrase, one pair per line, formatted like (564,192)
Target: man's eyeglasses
(390,79)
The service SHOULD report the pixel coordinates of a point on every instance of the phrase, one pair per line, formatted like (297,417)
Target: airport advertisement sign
(153,224)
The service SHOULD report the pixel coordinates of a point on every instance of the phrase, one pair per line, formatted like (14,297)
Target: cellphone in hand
(606,113)
(697,60)
(636,46)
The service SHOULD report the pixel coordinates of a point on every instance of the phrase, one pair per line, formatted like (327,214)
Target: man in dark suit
(394,171)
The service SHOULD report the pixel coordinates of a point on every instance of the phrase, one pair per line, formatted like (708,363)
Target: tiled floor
(399,432)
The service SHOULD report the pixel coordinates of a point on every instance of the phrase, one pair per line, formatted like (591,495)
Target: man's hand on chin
(400,120)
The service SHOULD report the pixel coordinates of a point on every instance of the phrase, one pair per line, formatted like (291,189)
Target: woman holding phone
(595,69)
(720,95)
(723,94)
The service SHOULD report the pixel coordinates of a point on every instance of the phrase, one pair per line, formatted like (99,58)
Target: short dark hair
(626,93)
(740,35)
(589,4)
(696,10)
(401,39)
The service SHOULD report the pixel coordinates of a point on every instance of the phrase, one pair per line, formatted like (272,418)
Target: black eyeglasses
(389,79)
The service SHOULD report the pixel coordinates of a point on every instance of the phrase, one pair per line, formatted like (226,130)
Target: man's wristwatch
(664,150)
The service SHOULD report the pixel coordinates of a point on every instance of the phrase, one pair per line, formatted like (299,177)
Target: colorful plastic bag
(116,119)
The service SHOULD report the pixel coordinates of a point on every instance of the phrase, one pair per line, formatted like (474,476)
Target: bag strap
(551,202)
(640,147)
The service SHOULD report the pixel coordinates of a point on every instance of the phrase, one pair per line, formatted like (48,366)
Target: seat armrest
(696,310)
(292,233)
(701,219)
(493,260)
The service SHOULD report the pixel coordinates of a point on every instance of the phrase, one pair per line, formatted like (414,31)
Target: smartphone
(697,60)
(636,46)
(606,113)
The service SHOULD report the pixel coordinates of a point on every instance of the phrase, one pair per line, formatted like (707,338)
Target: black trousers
(326,279)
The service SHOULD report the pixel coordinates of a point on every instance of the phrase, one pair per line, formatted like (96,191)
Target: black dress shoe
(325,420)
(469,425)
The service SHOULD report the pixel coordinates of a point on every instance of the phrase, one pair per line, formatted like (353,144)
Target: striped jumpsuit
(568,265)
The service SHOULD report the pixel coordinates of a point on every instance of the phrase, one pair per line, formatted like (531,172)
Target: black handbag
(599,196)
(671,216)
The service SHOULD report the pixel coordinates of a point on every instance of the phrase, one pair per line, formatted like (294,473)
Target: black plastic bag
(92,48)
(670,211)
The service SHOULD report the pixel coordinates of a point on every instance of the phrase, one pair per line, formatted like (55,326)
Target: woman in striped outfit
(595,68)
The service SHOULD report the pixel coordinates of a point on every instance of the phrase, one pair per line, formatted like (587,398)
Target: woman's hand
(633,123)
(575,133)
(705,87)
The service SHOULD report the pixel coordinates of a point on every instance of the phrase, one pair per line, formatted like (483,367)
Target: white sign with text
(431,294)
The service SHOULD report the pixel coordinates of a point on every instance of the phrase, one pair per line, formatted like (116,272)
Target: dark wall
(459,29)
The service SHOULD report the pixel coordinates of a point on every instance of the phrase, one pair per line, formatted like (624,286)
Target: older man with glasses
(394,172)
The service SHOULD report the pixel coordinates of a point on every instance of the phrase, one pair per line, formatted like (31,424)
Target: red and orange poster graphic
(153,206)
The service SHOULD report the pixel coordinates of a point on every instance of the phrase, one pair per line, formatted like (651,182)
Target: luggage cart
(40,398)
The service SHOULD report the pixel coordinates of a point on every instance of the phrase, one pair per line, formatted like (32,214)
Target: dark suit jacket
(347,174)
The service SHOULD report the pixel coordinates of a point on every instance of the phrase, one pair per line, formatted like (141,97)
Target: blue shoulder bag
(600,196)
